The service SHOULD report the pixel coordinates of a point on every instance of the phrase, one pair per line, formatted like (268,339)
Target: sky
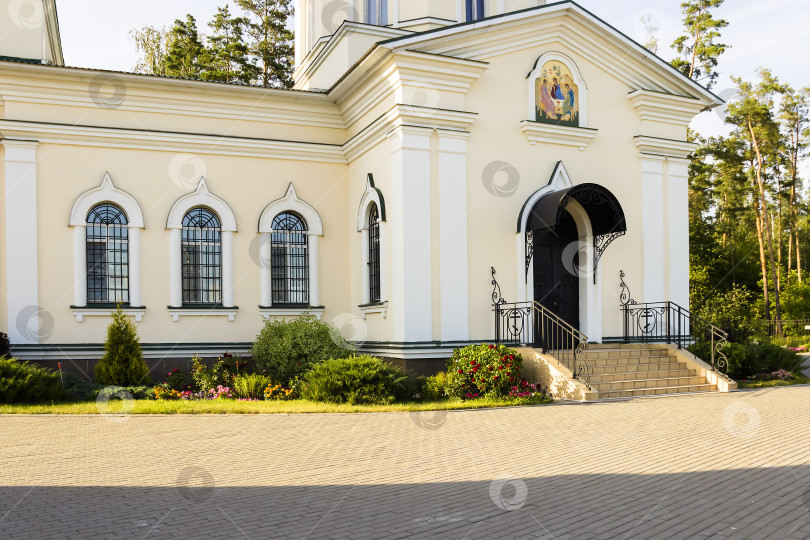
(770,33)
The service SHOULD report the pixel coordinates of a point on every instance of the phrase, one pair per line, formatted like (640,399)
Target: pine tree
(229,59)
(697,47)
(122,363)
(272,42)
(187,55)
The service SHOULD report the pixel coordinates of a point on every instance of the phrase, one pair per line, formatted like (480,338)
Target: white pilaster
(134,236)
(314,263)
(453,252)
(652,209)
(20,172)
(175,268)
(678,217)
(227,269)
(265,272)
(409,216)
(80,266)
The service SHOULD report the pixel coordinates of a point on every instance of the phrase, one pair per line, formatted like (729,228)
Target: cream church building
(434,158)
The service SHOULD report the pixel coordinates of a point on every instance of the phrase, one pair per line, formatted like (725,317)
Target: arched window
(107,255)
(202,257)
(374,254)
(289,260)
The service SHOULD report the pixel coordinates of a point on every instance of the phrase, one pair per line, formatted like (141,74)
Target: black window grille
(374,254)
(202,257)
(107,255)
(475,10)
(289,260)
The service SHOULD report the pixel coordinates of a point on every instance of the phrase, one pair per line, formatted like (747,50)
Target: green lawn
(147,406)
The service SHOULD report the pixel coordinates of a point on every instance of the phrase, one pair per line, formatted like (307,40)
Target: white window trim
(176,313)
(289,203)
(200,197)
(81,313)
(578,80)
(369,309)
(372,195)
(106,192)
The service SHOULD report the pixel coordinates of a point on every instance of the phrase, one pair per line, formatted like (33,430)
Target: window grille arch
(289,205)
(106,193)
(372,199)
(107,244)
(201,198)
(289,260)
(202,257)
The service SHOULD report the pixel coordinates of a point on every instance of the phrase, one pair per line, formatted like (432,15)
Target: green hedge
(357,380)
(21,382)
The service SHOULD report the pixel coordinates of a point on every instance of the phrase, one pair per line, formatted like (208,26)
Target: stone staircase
(622,371)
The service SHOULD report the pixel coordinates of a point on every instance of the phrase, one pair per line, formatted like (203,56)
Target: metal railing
(667,322)
(789,328)
(530,324)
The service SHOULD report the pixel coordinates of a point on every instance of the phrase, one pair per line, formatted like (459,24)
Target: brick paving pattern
(693,466)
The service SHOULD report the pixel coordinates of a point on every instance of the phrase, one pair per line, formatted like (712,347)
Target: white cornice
(664,147)
(172,142)
(538,132)
(665,108)
(406,115)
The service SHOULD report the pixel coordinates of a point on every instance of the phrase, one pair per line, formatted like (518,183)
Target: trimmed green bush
(122,363)
(434,388)
(285,350)
(21,382)
(250,386)
(357,380)
(483,370)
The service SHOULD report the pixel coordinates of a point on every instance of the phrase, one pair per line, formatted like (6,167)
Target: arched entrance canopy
(603,209)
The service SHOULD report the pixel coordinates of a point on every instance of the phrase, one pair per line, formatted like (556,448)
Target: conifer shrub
(285,350)
(122,363)
(22,382)
(357,380)
(434,387)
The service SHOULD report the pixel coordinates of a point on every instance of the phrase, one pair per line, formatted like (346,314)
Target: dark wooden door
(555,285)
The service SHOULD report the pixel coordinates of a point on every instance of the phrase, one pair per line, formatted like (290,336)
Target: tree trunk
(768,229)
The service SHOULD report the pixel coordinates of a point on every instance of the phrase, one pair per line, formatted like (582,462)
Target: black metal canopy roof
(602,207)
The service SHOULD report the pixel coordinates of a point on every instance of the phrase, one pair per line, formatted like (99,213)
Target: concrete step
(636,375)
(626,353)
(635,368)
(637,384)
(627,360)
(657,391)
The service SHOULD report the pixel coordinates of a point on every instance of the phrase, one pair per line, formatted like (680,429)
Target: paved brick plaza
(695,466)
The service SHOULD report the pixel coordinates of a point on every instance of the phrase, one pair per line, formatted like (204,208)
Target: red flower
(492,346)
(496,376)
(511,357)
(511,378)
(461,371)
(490,368)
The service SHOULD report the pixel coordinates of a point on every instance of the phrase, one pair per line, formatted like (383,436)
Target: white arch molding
(106,192)
(289,203)
(372,196)
(578,80)
(590,289)
(200,197)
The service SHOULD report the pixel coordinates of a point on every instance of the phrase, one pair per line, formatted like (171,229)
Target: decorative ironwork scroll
(529,251)
(496,290)
(600,244)
(624,297)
